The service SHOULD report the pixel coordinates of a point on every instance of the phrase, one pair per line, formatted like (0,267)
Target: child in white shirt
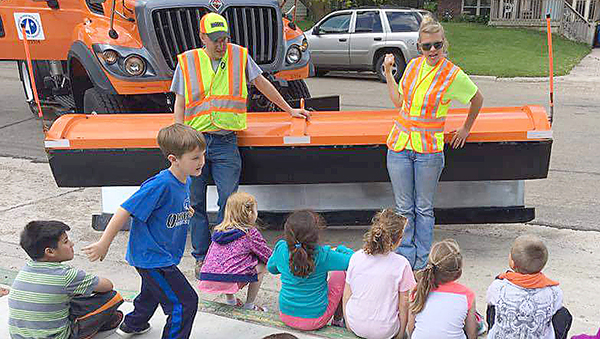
(378,281)
(440,307)
(524,303)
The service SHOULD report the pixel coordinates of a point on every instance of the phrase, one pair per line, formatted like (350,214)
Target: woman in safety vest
(415,157)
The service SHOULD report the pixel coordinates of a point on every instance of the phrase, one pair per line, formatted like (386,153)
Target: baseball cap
(214,25)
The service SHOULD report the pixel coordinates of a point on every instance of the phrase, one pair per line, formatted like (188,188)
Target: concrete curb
(204,306)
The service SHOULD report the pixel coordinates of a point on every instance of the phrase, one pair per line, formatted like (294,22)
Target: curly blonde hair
(239,213)
(385,232)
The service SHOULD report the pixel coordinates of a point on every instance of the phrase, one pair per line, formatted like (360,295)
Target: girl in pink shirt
(237,255)
(440,307)
(378,281)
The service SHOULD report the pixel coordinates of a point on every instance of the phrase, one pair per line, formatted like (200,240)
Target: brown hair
(301,231)
(178,139)
(431,26)
(529,254)
(444,265)
(281,336)
(385,232)
(239,213)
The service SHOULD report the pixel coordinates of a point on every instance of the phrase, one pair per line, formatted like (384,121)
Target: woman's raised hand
(388,62)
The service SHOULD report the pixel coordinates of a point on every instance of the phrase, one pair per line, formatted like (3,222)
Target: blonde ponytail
(444,265)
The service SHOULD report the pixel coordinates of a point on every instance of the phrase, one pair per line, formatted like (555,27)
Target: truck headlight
(293,55)
(134,65)
(109,56)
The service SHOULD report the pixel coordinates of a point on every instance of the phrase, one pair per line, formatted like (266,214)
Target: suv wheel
(319,72)
(397,68)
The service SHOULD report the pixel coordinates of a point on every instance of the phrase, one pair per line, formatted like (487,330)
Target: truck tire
(97,102)
(297,89)
(397,69)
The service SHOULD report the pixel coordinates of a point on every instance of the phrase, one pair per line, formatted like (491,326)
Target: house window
(476,7)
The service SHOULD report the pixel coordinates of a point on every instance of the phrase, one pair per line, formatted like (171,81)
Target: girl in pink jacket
(237,255)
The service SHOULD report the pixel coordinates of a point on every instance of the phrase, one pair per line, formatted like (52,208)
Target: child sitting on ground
(378,281)
(237,255)
(440,307)
(524,303)
(161,215)
(49,299)
(307,300)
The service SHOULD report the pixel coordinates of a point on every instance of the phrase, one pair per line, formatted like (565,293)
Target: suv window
(336,24)
(368,22)
(402,21)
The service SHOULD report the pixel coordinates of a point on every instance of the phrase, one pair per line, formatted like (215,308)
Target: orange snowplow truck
(115,56)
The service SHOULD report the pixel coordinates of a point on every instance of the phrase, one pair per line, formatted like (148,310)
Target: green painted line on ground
(261,318)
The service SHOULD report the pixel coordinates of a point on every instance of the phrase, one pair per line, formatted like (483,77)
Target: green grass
(509,52)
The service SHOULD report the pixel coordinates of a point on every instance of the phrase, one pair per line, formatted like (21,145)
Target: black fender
(91,65)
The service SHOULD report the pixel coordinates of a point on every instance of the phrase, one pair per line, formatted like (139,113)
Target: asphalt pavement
(566,202)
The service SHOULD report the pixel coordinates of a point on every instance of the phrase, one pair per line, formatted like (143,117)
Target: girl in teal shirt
(308,300)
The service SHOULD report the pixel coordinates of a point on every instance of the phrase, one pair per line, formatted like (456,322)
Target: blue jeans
(414,179)
(223,162)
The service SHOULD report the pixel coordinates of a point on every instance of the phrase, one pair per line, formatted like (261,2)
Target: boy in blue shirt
(161,214)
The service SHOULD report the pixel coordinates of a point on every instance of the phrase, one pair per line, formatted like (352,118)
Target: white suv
(358,39)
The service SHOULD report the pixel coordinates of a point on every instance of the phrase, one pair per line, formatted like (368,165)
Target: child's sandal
(259,308)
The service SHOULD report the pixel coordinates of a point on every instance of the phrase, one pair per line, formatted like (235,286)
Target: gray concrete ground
(566,202)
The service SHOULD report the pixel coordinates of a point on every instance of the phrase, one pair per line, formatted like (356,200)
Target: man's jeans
(223,162)
(414,179)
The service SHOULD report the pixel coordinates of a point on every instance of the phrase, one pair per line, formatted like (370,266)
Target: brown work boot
(198,267)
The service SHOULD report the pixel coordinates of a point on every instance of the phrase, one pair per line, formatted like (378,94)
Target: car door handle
(377,39)
(343,40)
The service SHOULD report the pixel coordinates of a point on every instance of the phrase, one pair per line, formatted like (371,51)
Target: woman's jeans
(223,163)
(414,179)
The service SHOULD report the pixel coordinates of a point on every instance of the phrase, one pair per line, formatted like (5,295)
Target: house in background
(301,11)
(455,8)
(575,19)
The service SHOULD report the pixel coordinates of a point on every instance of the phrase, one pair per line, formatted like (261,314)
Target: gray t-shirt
(178,85)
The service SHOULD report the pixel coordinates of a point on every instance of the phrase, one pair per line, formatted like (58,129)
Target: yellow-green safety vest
(423,113)
(215,100)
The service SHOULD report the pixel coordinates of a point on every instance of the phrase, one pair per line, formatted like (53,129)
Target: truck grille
(95,7)
(252,27)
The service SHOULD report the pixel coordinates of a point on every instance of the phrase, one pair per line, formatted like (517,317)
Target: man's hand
(459,137)
(96,251)
(300,113)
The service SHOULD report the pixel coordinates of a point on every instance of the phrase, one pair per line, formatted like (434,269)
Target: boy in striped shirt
(49,299)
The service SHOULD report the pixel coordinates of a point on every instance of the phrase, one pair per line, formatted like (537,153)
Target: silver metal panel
(369,196)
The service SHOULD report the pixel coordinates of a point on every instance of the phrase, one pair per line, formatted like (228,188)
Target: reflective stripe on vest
(215,101)
(423,113)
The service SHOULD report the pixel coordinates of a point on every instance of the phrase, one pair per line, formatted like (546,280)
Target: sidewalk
(206,325)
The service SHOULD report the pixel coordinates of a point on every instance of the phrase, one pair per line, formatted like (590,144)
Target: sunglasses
(436,45)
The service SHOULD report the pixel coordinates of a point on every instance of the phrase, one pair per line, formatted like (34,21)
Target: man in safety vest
(211,87)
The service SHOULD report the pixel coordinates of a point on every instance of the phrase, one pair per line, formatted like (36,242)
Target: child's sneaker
(113,323)
(126,332)
(339,323)
(481,324)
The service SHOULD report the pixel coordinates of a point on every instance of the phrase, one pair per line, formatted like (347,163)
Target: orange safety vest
(215,100)
(423,113)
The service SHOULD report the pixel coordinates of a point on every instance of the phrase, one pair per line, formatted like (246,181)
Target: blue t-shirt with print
(160,212)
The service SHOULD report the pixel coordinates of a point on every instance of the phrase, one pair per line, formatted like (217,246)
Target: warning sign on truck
(33,26)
